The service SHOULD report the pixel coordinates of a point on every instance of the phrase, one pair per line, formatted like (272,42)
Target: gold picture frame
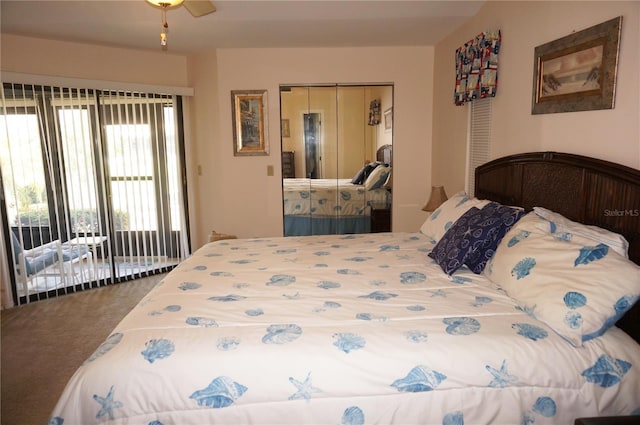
(388,119)
(577,72)
(249,109)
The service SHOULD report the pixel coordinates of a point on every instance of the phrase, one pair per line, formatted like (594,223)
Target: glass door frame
(56,187)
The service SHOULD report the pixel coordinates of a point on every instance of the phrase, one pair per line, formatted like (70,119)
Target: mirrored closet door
(336,158)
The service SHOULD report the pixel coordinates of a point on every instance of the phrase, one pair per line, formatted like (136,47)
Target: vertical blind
(92,187)
(479,139)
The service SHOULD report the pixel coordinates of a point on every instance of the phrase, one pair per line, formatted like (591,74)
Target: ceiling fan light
(166,3)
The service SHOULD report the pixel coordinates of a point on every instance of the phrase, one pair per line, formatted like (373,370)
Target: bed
(336,206)
(369,328)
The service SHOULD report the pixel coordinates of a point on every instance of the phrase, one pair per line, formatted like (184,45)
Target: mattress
(330,197)
(335,329)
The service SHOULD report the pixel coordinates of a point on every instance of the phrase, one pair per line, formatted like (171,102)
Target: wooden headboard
(583,189)
(384,154)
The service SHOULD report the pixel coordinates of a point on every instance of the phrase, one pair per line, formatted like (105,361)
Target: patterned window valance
(477,67)
(374,112)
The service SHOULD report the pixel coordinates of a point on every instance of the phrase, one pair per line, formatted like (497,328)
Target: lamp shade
(438,196)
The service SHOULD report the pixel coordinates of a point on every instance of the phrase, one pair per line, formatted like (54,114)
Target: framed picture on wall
(577,72)
(388,119)
(249,110)
(285,129)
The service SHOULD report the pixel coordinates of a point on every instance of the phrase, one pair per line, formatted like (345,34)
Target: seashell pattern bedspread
(330,197)
(354,329)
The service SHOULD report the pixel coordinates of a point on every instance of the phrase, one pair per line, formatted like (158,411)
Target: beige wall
(235,194)
(75,60)
(613,135)
(202,147)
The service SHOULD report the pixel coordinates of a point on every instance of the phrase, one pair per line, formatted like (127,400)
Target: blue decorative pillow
(361,176)
(474,237)
(497,220)
(463,236)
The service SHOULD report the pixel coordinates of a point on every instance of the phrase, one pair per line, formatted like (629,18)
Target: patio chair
(38,261)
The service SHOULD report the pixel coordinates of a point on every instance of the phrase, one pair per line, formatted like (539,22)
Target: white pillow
(377,178)
(577,286)
(437,224)
(563,224)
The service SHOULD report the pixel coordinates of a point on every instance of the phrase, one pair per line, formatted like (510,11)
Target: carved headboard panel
(384,154)
(583,189)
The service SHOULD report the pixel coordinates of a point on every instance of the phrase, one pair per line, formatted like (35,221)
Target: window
(25,194)
(97,172)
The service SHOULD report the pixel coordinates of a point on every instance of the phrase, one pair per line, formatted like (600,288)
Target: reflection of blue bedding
(305,225)
(341,329)
(329,197)
(329,206)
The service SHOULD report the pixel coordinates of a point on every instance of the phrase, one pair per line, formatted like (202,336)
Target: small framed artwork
(249,109)
(577,72)
(285,130)
(388,119)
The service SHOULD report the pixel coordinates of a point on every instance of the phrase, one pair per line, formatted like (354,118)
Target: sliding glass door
(95,178)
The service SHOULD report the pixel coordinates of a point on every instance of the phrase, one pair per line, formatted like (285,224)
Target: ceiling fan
(197,8)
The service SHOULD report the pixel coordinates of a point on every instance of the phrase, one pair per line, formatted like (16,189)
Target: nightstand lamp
(437,198)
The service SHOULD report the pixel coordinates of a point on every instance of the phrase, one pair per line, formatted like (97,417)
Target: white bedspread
(341,330)
(328,197)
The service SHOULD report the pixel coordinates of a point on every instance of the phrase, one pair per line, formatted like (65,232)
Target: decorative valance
(477,67)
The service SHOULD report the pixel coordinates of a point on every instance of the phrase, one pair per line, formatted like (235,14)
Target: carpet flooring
(43,343)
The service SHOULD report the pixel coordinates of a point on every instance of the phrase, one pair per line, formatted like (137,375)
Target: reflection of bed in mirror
(338,206)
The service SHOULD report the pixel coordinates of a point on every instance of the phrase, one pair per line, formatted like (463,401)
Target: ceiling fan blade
(199,7)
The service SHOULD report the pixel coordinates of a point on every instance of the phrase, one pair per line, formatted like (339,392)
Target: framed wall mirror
(336,158)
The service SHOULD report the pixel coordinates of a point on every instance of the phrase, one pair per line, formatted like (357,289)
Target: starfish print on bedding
(305,389)
(438,293)
(501,378)
(108,404)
